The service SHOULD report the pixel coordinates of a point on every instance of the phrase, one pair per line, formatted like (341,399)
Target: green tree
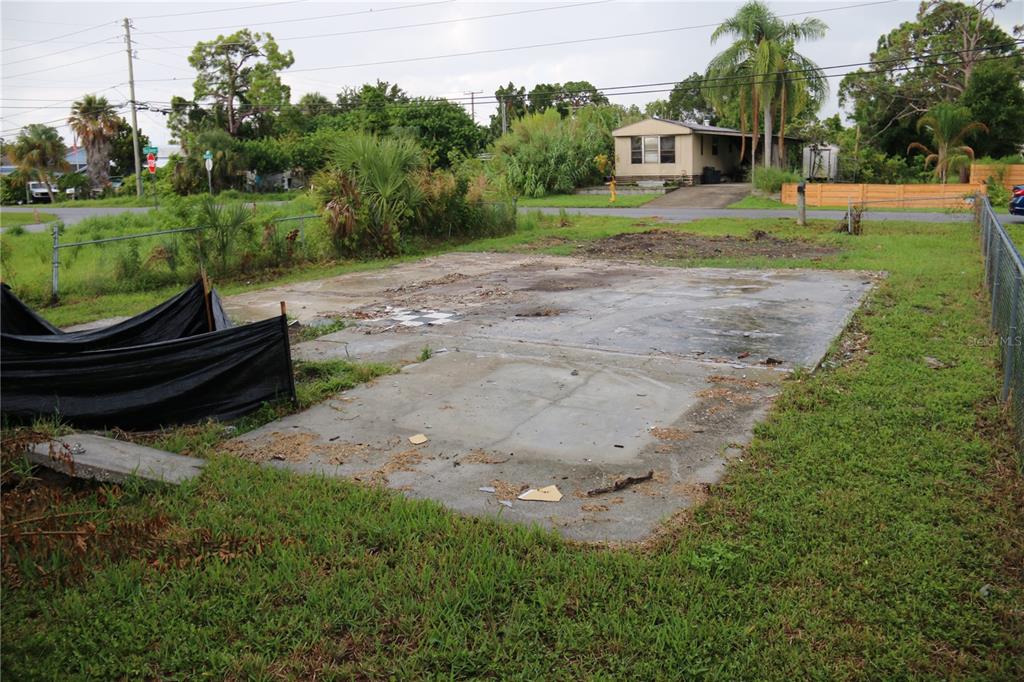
(239,73)
(122,149)
(313,104)
(887,103)
(515,106)
(95,122)
(443,128)
(382,170)
(686,102)
(763,46)
(39,152)
(995,97)
(949,126)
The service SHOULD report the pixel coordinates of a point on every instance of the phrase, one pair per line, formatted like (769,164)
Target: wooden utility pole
(135,119)
(504,116)
(472,102)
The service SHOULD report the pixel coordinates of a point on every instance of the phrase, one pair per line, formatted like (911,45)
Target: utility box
(821,162)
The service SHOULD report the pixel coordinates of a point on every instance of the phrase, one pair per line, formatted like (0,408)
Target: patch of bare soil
(661,244)
(482,457)
(426,284)
(405,460)
(504,490)
(669,433)
(294,447)
(540,312)
(738,381)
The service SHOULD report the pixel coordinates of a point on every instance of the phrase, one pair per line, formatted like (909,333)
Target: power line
(577,41)
(438,22)
(708,83)
(315,18)
(62,66)
(52,54)
(50,40)
(224,9)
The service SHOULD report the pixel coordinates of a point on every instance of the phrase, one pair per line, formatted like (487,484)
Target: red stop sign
(151,162)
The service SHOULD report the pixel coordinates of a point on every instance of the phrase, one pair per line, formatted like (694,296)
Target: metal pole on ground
(801,203)
(54,280)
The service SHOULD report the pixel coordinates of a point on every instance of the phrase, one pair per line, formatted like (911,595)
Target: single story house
(663,149)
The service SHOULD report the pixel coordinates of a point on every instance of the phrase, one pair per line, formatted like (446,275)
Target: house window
(668,149)
(714,146)
(652,149)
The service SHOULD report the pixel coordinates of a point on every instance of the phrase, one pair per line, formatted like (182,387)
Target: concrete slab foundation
(552,371)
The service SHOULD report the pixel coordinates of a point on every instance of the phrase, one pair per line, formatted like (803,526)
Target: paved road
(71,216)
(685,215)
(702,196)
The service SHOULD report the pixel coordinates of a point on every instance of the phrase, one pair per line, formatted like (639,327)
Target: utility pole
(504,117)
(135,119)
(472,102)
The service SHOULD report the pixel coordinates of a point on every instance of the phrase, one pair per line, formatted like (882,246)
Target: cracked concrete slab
(556,371)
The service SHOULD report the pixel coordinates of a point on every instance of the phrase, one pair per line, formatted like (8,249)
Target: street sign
(209,164)
(149,150)
(151,162)
(208,155)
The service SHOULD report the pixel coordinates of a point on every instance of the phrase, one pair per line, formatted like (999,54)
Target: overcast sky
(39,79)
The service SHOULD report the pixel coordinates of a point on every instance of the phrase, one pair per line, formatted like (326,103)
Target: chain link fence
(145,249)
(1004,272)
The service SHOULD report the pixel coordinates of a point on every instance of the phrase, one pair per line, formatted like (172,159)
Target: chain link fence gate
(1004,276)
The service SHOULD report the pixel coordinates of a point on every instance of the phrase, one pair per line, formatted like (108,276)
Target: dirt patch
(722,393)
(736,381)
(504,490)
(405,460)
(660,244)
(669,433)
(450,278)
(540,312)
(481,457)
(294,447)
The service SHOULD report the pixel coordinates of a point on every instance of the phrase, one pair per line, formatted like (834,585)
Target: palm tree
(383,172)
(95,123)
(39,151)
(763,48)
(949,125)
(801,85)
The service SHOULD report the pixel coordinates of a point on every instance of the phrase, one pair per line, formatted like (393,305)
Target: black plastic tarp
(158,368)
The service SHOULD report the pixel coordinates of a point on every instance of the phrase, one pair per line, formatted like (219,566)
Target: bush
(545,153)
(770,180)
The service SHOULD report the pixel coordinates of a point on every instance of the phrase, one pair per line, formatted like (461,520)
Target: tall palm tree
(38,152)
(763,48)
(949,126)
(801,85)
(95,123)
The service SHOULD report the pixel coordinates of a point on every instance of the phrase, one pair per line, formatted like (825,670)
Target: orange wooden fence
(1014,174)
(885,196)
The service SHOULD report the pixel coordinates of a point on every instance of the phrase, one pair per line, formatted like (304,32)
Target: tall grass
(771,179)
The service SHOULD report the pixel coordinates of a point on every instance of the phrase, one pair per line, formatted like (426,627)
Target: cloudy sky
(53,52)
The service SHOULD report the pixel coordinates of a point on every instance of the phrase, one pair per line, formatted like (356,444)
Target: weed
(426,354)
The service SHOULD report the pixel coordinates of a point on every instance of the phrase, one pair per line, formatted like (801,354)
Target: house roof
(700,128)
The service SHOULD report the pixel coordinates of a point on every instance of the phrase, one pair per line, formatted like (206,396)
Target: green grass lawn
(873,529)
(18,218)
(758,202)
(589,200)
(128,199)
